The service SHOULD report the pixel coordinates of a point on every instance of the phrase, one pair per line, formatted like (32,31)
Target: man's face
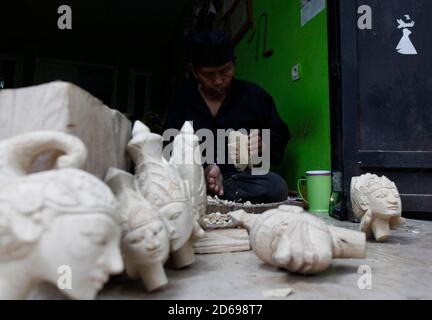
(215,80)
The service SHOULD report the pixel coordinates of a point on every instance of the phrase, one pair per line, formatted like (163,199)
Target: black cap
(210,49)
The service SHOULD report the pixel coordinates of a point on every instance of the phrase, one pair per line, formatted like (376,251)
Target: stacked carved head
(160,183)
(145,238)
(186,157)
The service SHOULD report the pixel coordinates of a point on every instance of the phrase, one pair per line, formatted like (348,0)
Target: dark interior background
(110,41)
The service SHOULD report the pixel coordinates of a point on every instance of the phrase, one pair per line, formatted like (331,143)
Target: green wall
(303,104)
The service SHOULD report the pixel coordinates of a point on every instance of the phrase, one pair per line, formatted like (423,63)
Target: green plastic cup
(319,190)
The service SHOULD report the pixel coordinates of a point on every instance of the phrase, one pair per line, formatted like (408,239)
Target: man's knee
(267,188)
(277,189)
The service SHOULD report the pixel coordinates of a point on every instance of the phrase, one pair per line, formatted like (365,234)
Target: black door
(382,103)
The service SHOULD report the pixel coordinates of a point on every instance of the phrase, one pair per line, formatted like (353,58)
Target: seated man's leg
(244,186)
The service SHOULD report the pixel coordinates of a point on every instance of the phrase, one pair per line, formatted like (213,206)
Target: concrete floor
(401,269)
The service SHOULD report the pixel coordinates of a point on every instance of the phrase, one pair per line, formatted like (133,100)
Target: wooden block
(62,106)
(223,240)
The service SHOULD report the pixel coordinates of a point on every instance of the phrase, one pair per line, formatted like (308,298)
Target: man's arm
(279,131)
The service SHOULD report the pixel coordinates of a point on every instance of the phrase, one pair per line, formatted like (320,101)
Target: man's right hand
(214,179)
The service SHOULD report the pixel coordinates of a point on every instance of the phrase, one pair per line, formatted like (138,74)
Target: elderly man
(216,100)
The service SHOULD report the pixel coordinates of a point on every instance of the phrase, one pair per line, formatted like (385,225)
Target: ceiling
(105,23)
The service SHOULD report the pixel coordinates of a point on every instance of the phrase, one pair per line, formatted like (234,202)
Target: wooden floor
(401,269)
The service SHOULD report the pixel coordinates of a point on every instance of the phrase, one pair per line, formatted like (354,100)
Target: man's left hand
(255,144)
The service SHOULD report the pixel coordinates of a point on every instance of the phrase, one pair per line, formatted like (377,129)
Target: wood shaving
(216,220)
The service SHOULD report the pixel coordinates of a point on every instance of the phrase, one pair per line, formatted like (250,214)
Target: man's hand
(255,144)
(214,179)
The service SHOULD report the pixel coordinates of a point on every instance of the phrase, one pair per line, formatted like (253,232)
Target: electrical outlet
(295,72)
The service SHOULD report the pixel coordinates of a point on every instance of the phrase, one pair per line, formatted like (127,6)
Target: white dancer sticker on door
(405,45)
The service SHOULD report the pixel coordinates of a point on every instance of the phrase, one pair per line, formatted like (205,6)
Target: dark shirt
(247,106)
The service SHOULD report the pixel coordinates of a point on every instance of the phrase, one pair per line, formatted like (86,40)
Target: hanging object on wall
(201,17)
(266,52)
(239,19)
(227,5)
(405,46)
(310,9)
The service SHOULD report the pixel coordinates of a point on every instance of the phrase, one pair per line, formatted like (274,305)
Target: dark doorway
(381,88)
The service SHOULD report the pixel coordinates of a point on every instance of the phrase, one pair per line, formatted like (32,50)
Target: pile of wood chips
(214,204)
